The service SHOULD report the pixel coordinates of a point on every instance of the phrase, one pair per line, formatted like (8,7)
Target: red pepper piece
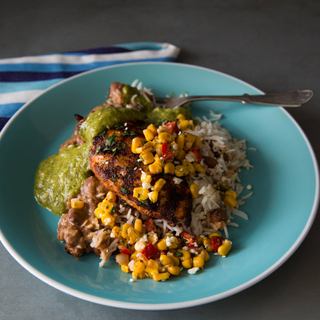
(172,127)
(196,153)
(149,225)
(150,251)
(216,243)
(126,251)
(166,152)
(192,242)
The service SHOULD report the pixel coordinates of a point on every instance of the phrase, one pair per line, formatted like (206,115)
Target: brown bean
(209,161)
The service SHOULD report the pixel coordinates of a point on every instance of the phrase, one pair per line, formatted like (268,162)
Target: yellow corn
(136,143)
(111,197)
(205,255)
(164,259)
(77,204)
(181,171)
(175,260)
(125,269)
(191,125)
(187,264)
(108,219)
(116,232)
(146,177)
(169,168)
(186,255)
(165,136)
(180,141)
(161,276)
(134,235)
(224,249)
(135,275)
(230,201)
(207,244)
(151,271)
(124,230)
(148,134)
(138,266)
(184,124)
(194,188)
(231,193)
(153,196)
(138,225)
(147,158)
(199,240)
(155,168)
(152,128)
(180,116)
(159,184)
(199,167)
(214,234)
(140,193)
(153,264)
(162,245)
(198,261)
(146,150)
(189,137)
(181,154)
(174,270)
(189,165)
(187,146)
(197,142)
(134,255)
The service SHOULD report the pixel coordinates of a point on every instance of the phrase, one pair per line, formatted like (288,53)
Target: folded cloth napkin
(22,79)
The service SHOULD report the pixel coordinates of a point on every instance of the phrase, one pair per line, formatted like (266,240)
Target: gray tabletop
(273,45)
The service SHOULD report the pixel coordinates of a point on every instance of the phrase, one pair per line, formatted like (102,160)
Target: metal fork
(294,98)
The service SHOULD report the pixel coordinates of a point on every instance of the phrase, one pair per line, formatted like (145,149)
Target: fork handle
(293,98)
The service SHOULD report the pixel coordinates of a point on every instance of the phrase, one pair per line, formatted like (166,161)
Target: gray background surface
(273,45)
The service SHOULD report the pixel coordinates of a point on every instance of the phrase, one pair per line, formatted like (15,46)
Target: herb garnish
(179,254)
(124,190)
(98,149)
(102,133)
(113,178)
(118,126)
(129,133)
(165,175)
(112,211)
(110,141)
(144,202)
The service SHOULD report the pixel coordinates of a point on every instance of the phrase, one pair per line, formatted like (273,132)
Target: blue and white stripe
(23,78)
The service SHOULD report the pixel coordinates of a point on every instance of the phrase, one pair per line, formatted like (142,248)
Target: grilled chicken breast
(114,164)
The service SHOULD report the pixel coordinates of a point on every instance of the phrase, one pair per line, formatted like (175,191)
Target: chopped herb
(179,254)
(123,145)
(144,202)
(141,128)
(144,142)
(126,133)
(106,149)
(113,178)
(102,133)
(116,149)
(124,190)
(118,126)
(138,195)
(141,158)
(110,141)
(165,175)
(107,207)
(129,175)
(98,149)
(128,168)
(112,211)
(137,163)
(132,133)
(125,203)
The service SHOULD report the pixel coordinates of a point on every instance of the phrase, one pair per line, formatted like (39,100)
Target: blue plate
(284,179)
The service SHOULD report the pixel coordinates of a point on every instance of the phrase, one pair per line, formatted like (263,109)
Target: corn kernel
(164,259)
(194,188)
(187,264)
(153,264)
(214,234)
(183,124)
(169,168)
(77,204)
(188,164)
(148,134)
(124,230)
(181,154)
(230,201)
(152,128)
(138,225)
(153,196)
(138,266)
(207,244)
(134,255)
(151,271)
(155,168)
(198,261)
(224,249)
(231,193)
(197,142)
(146,177)
(180,116)
(175,260)
(135,275)
(174,270)
(180,141)
(189,137)
(191,125)
(159,184)
(186,254)
(125,269)
(140,193)
(205,255)
(136,143)
(187,146)
(107,219)
(116,232)
(161,276)
(162,245)
(181,171)
(199,167)
(147,158)
(165,136)
(133,235)
(146,150)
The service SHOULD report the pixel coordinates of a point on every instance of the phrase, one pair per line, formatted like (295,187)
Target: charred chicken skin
(119,169)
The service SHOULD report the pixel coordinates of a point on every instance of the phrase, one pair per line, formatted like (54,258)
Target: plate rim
(175,305)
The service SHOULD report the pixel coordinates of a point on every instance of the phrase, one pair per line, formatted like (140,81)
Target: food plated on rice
(153,185)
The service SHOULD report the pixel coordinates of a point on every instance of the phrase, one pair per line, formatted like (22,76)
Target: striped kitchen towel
(22,79)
